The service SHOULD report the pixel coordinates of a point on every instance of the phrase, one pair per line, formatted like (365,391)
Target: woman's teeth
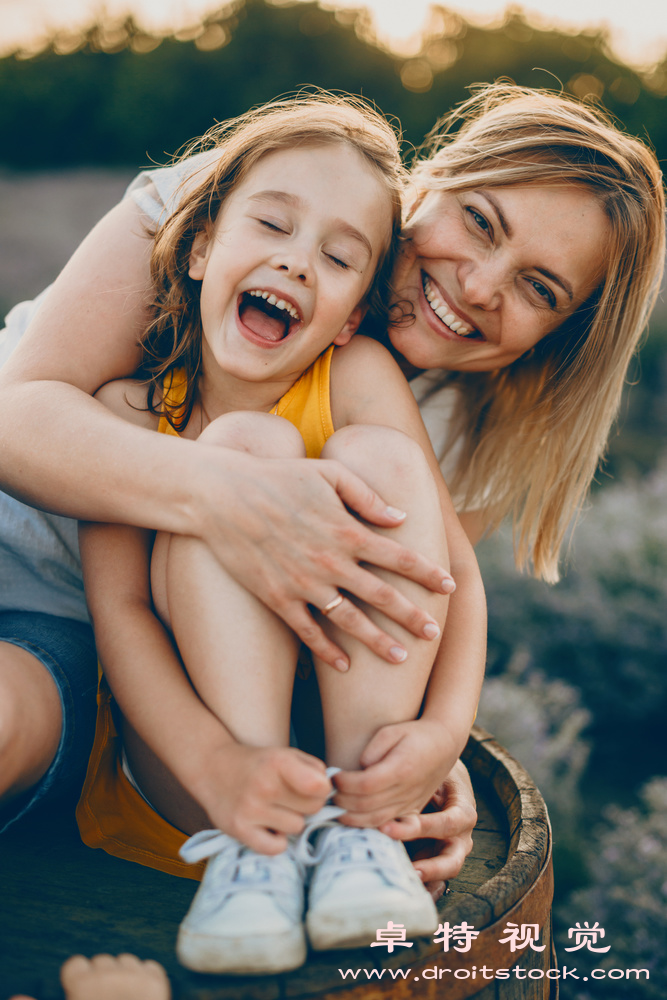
(451,321)
(273,300)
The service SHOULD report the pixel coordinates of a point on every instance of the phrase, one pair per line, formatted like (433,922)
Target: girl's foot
(362,880)
(106,977)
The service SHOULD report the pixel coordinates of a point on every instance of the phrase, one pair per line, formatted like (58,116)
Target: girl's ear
(199,256)
(352,324)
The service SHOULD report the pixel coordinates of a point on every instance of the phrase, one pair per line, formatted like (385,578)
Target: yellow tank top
(307,404)
(111,814)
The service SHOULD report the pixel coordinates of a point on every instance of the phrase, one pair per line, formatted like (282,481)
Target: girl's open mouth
(268,318)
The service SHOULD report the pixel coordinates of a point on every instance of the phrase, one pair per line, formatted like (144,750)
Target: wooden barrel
(60,898)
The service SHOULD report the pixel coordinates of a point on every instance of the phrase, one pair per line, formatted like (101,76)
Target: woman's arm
(63,451)
(474,523)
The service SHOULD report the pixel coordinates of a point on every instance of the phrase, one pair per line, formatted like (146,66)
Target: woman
(534,250)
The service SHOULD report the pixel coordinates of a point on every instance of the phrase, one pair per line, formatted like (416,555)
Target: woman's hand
(449,828)
(281,528)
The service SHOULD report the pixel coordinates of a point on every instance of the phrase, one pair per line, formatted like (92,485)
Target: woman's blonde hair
(231,149)
(534,432)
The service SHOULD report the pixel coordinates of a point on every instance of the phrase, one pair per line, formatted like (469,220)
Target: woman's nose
(481,283)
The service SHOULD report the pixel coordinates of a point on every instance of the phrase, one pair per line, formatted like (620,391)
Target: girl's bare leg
(30,720)
(239,655)
(374,693)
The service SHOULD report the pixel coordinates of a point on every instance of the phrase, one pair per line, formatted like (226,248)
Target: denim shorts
(66,648)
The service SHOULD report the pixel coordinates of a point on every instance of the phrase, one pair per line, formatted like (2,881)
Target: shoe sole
(358,929)
(241,956)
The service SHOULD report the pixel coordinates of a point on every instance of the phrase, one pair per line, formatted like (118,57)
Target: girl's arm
(368,388)
(256,795)
(63,451)
(245,791)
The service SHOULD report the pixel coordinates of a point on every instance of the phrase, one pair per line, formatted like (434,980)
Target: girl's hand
(260,795)
(282,530)
(449,828)
(401,766)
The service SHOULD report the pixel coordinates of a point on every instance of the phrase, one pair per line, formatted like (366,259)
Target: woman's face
(489,272)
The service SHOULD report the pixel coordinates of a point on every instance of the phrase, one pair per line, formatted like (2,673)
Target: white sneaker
(362,880)
(247,915)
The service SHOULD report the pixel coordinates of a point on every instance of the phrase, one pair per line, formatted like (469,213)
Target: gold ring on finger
(335,603)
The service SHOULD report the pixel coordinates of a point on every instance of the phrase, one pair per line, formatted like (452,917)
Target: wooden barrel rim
(520,891)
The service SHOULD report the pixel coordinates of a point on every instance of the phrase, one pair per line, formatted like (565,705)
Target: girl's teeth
(278,303)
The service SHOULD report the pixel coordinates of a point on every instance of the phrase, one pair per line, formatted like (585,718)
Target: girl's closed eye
(273,225)
(338,261)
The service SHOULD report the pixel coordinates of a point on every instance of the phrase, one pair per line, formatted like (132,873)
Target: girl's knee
(374,449)
(262,434)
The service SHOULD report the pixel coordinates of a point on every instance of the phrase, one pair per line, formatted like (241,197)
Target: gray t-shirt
(40,567)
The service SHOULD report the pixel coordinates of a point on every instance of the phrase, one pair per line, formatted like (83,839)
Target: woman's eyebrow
(509,232)
(294,200)
(504,224)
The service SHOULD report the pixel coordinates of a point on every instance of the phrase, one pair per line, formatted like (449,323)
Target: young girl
(263,275)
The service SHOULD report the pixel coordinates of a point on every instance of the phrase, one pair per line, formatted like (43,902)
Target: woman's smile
(449,317)
(490,272)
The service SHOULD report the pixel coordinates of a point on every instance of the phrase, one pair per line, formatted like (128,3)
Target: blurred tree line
(114,94)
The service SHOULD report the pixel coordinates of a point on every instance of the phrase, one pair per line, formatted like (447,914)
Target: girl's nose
(296,261)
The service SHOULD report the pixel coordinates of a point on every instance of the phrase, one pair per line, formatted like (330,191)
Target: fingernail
(431,630)
(448,585)
(398,654)
(398,515)
(420,873)
(341,665)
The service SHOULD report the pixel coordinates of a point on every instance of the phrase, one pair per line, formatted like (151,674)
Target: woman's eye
(479,220)
(544,292)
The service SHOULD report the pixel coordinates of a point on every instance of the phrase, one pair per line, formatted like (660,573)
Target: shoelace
(252,867)
(234,868)
(355,848)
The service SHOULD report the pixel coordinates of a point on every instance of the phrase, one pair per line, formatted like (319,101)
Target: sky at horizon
(638,31)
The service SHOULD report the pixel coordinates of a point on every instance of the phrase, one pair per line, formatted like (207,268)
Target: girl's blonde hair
(231,149)
(534,432)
